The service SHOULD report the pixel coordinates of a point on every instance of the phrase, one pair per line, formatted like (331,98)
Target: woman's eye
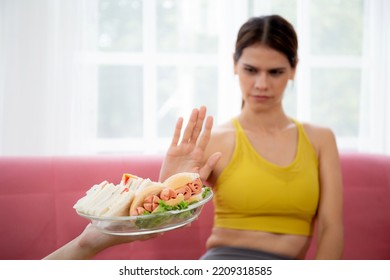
(276,72)
(250,70)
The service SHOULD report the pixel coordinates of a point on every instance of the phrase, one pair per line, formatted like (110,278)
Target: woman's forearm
(330,244)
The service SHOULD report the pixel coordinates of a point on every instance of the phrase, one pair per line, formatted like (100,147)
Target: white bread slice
(90,195)
(106,199)
(121,204)
(99,205)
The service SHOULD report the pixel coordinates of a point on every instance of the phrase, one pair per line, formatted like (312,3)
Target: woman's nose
(261,81)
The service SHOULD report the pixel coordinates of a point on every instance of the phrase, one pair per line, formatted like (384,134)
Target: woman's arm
(330,212)
(90,242)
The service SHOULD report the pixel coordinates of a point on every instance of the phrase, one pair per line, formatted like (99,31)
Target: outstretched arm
(188,153)
(90,242)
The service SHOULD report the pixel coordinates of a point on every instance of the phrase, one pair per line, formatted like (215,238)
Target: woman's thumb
(206,170)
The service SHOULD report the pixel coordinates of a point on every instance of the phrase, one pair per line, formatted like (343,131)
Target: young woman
(274,178)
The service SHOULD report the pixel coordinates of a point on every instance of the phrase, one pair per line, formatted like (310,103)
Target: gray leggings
(235,253)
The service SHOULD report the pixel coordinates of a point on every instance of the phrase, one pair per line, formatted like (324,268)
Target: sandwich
(109,200)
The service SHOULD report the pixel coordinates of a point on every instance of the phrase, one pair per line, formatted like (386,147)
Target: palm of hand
(97,240)
(185,158)
(188,154)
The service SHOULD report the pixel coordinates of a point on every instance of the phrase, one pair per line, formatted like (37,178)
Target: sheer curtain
(40,43)
(375,98)
(48,82)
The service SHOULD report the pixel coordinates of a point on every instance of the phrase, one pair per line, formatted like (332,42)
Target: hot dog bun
(187,183)
(181,179)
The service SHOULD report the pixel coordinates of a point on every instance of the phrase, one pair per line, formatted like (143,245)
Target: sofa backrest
(366,206)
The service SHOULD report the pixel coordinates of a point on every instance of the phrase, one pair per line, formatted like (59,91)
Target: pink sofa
(37,195)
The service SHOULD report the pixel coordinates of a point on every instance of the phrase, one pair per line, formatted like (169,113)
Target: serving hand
(90,242)
(188,155)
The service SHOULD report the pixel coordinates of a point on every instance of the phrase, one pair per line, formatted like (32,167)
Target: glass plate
(147,224)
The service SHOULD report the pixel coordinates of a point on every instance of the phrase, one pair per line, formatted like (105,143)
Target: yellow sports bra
(254,194)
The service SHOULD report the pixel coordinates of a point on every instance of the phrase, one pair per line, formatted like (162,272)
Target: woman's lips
(260,97)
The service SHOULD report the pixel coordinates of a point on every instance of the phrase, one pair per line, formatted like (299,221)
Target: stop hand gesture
(188,154)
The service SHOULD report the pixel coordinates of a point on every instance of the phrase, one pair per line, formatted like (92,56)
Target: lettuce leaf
(206,192)
(161,217)
(163,207)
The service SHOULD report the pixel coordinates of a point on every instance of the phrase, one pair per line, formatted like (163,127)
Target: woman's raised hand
(188,153)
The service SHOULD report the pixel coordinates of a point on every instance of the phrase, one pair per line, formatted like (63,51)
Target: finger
(199,124)
(206,170)
(177,132)
(190,126)
(205,137)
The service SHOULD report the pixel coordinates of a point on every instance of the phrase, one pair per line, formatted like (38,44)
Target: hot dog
(177,191)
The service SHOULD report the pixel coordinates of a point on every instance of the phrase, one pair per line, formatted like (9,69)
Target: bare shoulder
(322,138)
(222,140)
(222,136)
(223,129)
(317,131)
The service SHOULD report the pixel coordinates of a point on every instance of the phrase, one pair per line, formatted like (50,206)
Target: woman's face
(263,75)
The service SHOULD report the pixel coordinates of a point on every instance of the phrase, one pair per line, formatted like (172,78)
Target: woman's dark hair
(273,31)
